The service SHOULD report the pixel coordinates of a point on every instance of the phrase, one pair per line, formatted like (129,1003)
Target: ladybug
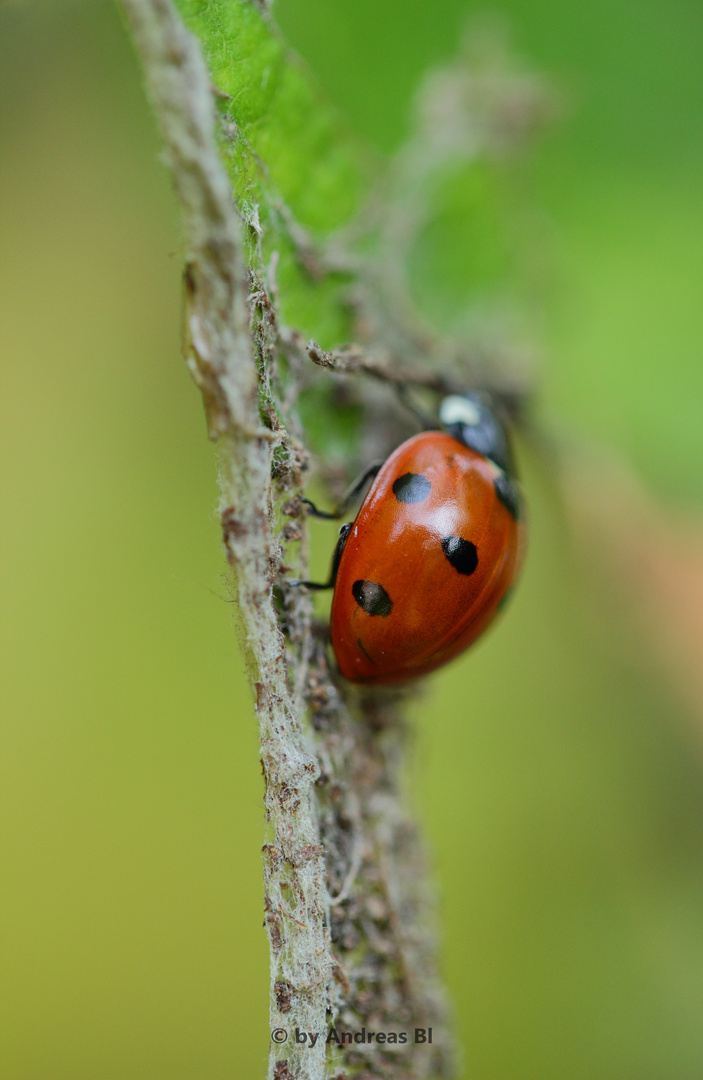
(433,551)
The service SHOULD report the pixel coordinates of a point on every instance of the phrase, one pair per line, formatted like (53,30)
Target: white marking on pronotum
(496,470)
(459,410)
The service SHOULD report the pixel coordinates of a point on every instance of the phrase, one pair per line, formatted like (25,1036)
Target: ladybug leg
(349,496)
(329,584)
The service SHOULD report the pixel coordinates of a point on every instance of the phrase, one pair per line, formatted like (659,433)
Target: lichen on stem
(222,355)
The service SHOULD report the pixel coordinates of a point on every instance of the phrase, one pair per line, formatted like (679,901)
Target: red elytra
(433,551)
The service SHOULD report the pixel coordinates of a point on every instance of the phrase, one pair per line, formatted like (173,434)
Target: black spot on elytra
(372,597)
(508,494)
(411,487)
(461,553)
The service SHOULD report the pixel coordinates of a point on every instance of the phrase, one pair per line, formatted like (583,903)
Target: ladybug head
(474,419)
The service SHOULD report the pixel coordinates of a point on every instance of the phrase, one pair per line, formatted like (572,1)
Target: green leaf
(289,154)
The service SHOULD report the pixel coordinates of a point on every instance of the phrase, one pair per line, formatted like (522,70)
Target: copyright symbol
(279,1035)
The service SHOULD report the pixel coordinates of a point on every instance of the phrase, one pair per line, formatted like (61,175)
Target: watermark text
(342,1037)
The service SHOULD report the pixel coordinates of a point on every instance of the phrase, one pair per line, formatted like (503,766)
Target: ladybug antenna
(427,422)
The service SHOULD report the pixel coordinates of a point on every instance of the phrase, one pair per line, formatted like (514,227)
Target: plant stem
(347,910)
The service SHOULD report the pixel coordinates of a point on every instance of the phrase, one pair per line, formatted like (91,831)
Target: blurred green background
(562,792)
